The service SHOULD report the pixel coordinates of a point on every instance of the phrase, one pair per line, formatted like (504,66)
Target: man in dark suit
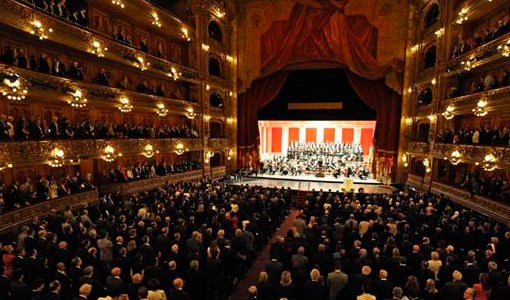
(33,266)
(75,71)
(19,289)
(58,68)
(54,128)
(383,287)
(177,293)
(313,289)
(274,270)
(114,284)
(415,258)
(84,292)
(195,280)
(54,291)
(454,290)
(4,284)
(64,280)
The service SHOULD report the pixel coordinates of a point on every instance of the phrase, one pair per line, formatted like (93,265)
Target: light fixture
(185,34)
(447,114)
(207,118)
(149,151)
(15,87)
(162,111)
(207,87)
(231,93)
(118,3)
(205,47)
(409,121)
(469,64)
(439,32)
(179,148)
(208,156)
(479,110)
(220,14)
(489,162)
(415,48)
(174,74)
(455,157)
(142,64)
(433,81)
(505,49)
(39,30)
(125,105)
(432,117)
(404,160)
(230,154)
(229,58)
(77,99)
(155,19)
(57,158)
(426,164)
(230,120)
(109,154)
(98,49)
(4,166)
(190,113)
(462,16)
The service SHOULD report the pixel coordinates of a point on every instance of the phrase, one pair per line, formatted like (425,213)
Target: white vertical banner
(285,140)
(302,134)
(270,140)
(357,135)
(320,134)
(338,134)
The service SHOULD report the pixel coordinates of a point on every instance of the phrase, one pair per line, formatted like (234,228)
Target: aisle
(251,278)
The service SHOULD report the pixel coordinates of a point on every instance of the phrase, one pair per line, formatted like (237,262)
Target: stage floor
(312,185)
(330,179)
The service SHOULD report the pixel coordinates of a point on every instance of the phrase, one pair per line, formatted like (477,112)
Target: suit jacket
(20,291)
(4,287)
(174,294)
(384,289)
(115,286)
(314,290)
(52,296)
(470,274)
(105,249)
(274,270)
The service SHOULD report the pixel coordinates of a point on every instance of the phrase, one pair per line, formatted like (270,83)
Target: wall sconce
(174,74)
(231,93)
(431,117)
(57,158)
(454,157)
(185,34)
(220,14)
(77,99)
(415,48)
(109,154)
(469,64)
(190,113)
(179,148)
(405,160)
(118,3)
(426,164)
(205,47)
(38,29)
(505,49)
(125,106)
(162,111)
(97,49)
(149,151)
(142,64)
(447,114)
(4,166)
(462,16)
(229,58)
(439,32)
(207,87)
(208,156)
(15,87)
(433,81)
(155,19)
(207,118)
(479,110)
(489,162)
(230,120)
(229,154)
(409,121)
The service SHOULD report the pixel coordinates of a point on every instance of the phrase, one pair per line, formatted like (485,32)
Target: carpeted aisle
(241,291)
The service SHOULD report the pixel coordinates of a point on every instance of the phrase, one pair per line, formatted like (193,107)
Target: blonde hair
(286,278)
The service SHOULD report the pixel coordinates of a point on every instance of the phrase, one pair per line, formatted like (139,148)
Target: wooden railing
(12,220)
(137,186)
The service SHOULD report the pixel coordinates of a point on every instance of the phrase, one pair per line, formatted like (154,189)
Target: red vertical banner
(276,139)
(367,136)
(311,135)
(266,139)
(329,135)
(347,135)
(293,135)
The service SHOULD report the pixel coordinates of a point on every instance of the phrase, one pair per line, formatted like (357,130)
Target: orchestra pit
(254,150)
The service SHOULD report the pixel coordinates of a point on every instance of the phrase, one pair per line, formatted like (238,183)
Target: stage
(329,179)
(312,184)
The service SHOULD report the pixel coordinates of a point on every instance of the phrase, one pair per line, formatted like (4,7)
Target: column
(302,134)
(285,140)
(357,135)
(320,134)
(338,135)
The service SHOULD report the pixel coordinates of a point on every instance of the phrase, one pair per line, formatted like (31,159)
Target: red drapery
(320,36)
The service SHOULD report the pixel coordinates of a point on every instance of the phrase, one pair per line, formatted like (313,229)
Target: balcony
(38,152)
(14,219)
(476,9)
(491,208)
(19,16)
(219,143)
(416,182)
(471,154)
(497,100)
(137,186)
(418,148)
(218,172)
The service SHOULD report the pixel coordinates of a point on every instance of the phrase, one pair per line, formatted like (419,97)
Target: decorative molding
(472,154)
(417,148)
(11,221)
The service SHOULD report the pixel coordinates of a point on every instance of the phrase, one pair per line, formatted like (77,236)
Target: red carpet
(241,291)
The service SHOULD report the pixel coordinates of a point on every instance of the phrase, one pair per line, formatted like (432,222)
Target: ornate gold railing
(217,172)
(10,221)
(473,154)
(416,182)
(417,148)
(497,100)
(137,186)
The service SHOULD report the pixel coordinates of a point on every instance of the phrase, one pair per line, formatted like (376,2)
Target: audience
(485,135)
(150,170)
(495,187)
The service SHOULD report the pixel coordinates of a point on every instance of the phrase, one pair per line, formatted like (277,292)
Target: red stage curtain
(311,135)
(293,135)
(262,92)
(329,135)
(347,135)
(367,137)
(276,139)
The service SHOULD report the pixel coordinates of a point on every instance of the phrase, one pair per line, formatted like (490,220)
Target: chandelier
(426,164)
(447,114)
(118,3)
(15,87)
(39,30)
(480,111)
(4,166)
(125,105)
(142,64)
(109,154)
(174,74)
(162,111)
(98,49)
(155,20)
(454,157)
(404,159)
(190,113)
(77,100)
(462,16)
(489,162)
(179,148)
(505,49)
(208,156)
(57,158)
(185,34)
(149,151)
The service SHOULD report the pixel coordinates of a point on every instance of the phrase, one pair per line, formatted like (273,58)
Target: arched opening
(215,100)
(425,97)
(432,16)
(216,129)
(217,160)
(214,66)
(215,31)
(430,57)
(423,132)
